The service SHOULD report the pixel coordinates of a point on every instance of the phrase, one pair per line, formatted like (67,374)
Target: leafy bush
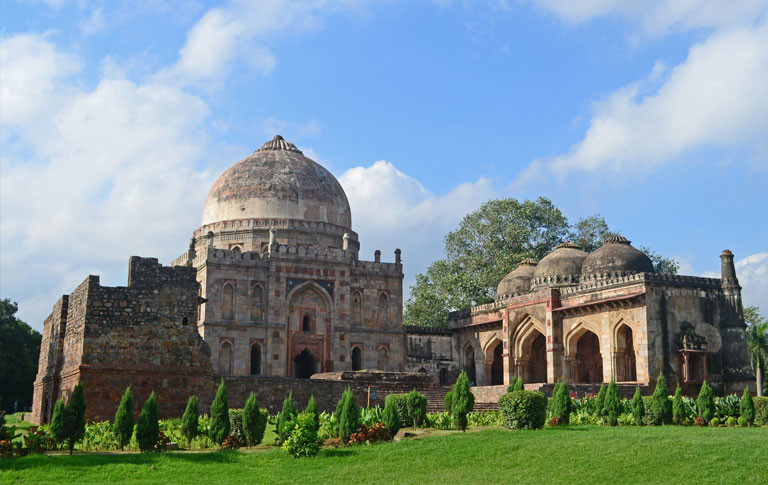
(742,421)
(329,427)
(731,422)
(349,416)
(147,428)
(254,421)
(524,409)
(284,426)
(391,415)
(463,401)
(400,402)
(447,401)
(517,384)
(727,406)
(747,406)
(561,403)
(699,421)
(638,407)
(371,416)
(611,405)
(370,434)
(661,406)
(312,408)
(600,400)
(705,403)
(302,439)
(417,407)
(123,428)
(442,420)
(232,442)
(625,419)
(190,420)
(219,424)
(678,408)
(584,416)
(761,410)
(485,418)
(101,437)
(236,425)
(715,422)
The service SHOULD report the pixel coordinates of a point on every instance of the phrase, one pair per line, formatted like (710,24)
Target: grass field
(580,454)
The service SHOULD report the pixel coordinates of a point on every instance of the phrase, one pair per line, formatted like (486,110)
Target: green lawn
(581,454)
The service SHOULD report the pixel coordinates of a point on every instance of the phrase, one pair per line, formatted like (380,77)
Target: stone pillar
(554,336)
(506,352)
(377,256)
(731,289)
(397,255)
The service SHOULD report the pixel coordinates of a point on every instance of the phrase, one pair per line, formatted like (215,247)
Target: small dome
(561,267)
(518,280)
(277,182)
(617,255)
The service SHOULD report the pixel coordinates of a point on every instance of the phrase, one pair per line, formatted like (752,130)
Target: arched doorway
(537,365)
(626,368)
(306,324)
(382,358)
(225,359)
(357,358)
(443,376)
(497,366)
(469,364)
(255,359)
(589,361)
(304,365)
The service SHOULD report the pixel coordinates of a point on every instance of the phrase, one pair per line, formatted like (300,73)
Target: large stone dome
(277,182)
(561,267)
(617,255)
(518,280)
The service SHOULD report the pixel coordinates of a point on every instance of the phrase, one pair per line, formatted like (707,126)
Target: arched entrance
(255,359)
(469,364)
(357,358)
(626,367)
(497,366)
(537,366)
(589,361)
(225,359)
(304,365)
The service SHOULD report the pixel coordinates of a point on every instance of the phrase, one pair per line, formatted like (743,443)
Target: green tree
(600,401)
(76,412)
(219,424)
(487,244)
(463,401)
(61,424)
(284,423)
(612,404)
(448,401)
(678,408)
(660,263)
(302,438)
(190,420)
(391,416)
(661,407)
(123,427)
(561,403)
(312,408)
(705,403)
(254,421)
(747,406)
(19,354)
(417,407)
(147,427)
(757,340)
(638,407)
(349,416)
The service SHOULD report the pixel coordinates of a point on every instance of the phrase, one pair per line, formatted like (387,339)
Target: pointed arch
(257,303)
(625,360)
(357,358)
(306,285)
(468,358)
(226,358)
(228,301)
(255,359)
(494,359)
(356,304)
(529,343)
(382,358)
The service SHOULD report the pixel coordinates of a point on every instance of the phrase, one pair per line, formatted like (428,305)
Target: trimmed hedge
(761,410)
(524,409)
(391,414)
(417,408)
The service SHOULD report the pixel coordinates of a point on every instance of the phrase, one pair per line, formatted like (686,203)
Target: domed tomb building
(590,318)
(277,261)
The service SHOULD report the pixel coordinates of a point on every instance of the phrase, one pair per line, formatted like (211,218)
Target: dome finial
(279,143)
(617,239)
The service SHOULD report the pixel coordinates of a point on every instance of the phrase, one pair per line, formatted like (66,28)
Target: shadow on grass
(89,459)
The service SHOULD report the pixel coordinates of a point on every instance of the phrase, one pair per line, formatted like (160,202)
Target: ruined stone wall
(142,335)
(432,351)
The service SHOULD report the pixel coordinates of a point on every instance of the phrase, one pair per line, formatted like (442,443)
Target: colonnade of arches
(584,360)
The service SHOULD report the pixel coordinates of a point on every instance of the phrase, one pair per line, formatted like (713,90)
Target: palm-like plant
(757,340)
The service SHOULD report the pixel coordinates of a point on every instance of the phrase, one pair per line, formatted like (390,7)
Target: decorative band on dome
(528,262)
(279,143)
(568,245)
(616,239)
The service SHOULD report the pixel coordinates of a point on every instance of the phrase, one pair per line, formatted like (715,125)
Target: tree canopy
(488,244)
(19,353)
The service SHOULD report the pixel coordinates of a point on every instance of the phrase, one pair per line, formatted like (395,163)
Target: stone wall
(432,351)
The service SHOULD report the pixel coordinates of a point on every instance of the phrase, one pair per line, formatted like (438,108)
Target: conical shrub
(123,426)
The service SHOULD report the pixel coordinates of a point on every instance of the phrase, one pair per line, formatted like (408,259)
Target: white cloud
(94,23)
(659,17)
(393,210)
(240,30)
(106,173)
(715,98)
(752,272)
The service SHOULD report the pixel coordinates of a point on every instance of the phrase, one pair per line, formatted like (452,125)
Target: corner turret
(731,288)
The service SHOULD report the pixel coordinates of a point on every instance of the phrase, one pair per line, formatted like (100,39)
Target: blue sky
(117,117)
